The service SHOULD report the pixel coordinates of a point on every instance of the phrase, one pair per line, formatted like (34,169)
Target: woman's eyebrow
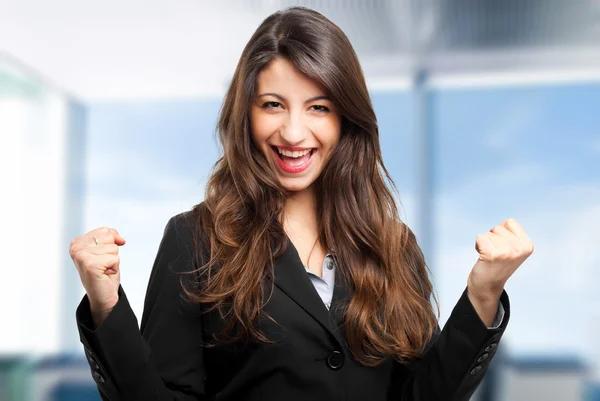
(283,99)
(320,97)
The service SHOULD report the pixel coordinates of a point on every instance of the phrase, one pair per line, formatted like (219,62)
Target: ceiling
(116,49)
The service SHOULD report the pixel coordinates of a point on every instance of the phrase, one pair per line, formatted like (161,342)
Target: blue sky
(532,153)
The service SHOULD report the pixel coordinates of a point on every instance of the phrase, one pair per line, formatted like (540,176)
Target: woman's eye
(271,105)
(320,108)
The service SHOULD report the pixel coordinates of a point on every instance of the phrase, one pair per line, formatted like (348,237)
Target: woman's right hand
(98,267)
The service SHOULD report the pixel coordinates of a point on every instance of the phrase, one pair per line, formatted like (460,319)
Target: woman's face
(294,124)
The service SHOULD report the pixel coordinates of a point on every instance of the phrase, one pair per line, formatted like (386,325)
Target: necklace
(311,251)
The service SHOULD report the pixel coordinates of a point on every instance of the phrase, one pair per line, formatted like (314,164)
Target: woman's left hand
(501,251)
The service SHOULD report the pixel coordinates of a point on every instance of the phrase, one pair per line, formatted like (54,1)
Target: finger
(118,239)
(484,240)
(513,226)
(503,232)
(100,236)
(111,270)
(105,235)
(102,262)
(493,238)
(104,249)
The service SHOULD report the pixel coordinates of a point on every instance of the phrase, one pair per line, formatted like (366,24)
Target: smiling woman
(295,278)
(294,124)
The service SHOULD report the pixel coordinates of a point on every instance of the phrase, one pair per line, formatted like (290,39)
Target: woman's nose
(295,130)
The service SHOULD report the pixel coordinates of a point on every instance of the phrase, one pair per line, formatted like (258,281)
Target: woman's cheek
(265,125)
(330,129)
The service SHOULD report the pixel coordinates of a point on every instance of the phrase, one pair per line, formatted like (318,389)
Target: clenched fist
(96,257)
(501,251)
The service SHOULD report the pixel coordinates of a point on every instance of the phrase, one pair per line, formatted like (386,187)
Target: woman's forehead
(280,76)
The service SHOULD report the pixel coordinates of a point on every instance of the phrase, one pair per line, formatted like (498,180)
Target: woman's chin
(296,184)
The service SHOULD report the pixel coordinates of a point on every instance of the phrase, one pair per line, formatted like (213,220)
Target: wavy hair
(390,312)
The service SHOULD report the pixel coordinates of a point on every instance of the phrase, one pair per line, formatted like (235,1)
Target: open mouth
(294,162)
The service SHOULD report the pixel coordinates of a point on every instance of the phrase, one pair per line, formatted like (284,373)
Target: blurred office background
(488,109)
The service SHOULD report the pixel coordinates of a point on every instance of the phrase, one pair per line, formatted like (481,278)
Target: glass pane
(394,112)
(532,153)
(148,161)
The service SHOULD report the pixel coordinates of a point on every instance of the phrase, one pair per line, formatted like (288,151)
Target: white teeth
(294,154)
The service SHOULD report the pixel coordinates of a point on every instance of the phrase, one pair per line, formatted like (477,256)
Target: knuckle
(72,249)
(108,234)
(75,242)
(79,255)
(515,253)
(518,249)
(111,260)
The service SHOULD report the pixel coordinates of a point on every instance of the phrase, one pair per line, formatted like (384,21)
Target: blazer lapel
(291,278)
(341,296)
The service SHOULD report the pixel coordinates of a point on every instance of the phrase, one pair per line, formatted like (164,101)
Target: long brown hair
(390,312)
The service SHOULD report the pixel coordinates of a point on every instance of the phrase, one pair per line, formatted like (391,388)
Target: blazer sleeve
(163,360)
(456,359)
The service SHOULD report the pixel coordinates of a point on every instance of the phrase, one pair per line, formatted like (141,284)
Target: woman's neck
(300,211)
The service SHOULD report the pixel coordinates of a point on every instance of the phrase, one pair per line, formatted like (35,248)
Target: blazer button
(98,377)
(483,357)
(490,347)
(335,360)
(93,362)
(476,369)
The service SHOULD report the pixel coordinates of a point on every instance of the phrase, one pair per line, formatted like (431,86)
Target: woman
(295,276)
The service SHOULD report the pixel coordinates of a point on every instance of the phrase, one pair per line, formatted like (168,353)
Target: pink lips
(293,169)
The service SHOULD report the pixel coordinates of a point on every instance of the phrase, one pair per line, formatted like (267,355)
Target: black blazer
(310,361)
